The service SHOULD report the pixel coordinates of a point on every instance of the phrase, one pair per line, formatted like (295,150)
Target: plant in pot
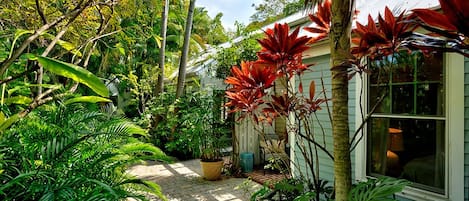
(212,141)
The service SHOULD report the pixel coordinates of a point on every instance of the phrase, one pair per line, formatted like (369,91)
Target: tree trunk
(164,26)
(185,51)
(340,55)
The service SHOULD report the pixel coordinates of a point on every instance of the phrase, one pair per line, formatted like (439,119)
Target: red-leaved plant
(380,40)
(252,91)
(452,24)
(322,20)
(279,58)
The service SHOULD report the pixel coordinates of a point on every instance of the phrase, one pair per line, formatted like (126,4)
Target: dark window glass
(406,134)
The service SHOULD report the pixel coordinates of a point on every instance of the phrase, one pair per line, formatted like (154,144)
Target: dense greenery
(57,150)
(189,126)
(73,153)
(382,188)
(268,11)
(244,50)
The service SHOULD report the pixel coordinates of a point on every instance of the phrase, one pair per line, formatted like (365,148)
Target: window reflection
(406,134)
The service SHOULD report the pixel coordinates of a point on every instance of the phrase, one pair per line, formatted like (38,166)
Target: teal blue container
(247,161)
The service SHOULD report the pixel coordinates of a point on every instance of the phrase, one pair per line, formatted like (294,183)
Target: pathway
(182,182)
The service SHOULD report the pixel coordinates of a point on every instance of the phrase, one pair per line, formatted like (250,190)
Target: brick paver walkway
(182,182)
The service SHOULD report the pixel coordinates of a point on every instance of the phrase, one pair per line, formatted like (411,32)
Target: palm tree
(339,37)
(164,25)
(185,50)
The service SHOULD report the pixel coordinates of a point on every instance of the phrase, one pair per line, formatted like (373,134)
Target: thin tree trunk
(340,54)
(164,25)
(185,51)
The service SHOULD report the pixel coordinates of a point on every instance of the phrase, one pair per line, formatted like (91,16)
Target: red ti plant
(249,84)
(322,20)
(383,39)
(252,92)
(452,24)
(280,57)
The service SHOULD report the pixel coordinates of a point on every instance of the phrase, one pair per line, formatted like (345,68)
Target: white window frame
(454,135)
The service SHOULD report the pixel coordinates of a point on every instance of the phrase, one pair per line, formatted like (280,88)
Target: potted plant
(213,141)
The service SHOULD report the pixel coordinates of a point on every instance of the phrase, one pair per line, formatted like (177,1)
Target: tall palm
(161,62)
(185,50)
(339,37)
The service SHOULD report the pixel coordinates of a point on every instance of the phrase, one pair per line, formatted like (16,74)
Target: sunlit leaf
(73,72)
(8,122)
(158,40)
(69,47)
(120,48)
(87,99)
(64,44)
(20,100)
(18,33)
(2,117)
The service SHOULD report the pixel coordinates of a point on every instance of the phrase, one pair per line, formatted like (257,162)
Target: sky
(233,10)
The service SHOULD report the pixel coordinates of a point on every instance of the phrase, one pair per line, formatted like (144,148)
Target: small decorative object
(395,144)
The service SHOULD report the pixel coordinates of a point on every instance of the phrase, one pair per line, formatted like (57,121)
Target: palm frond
(121,127)
(146,186)
(103,186)
(58,145)
(145,151)
(22,180)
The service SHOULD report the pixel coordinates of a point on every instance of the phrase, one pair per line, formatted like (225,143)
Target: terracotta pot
(212,170)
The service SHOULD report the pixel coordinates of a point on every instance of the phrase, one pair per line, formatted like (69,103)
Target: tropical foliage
(72,153)
(54,54)
(189,126)
(245,50)
(268,11)
(279,60)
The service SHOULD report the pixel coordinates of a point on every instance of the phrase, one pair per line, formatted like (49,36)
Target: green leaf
(18,34)
(305,196)
(120,48)
(87,99)
(377,189)
(20,100)
(73,72)
(69,47)
(64,44)
(2,117)
(8,122)
(157,39)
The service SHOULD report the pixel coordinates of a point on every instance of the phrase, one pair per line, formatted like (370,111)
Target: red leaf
(312,90)
(322,20)
(315,29)
(300,87)
(434,19)
(279,46)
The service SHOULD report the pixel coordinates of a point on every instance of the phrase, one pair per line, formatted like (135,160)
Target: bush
(182,124)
